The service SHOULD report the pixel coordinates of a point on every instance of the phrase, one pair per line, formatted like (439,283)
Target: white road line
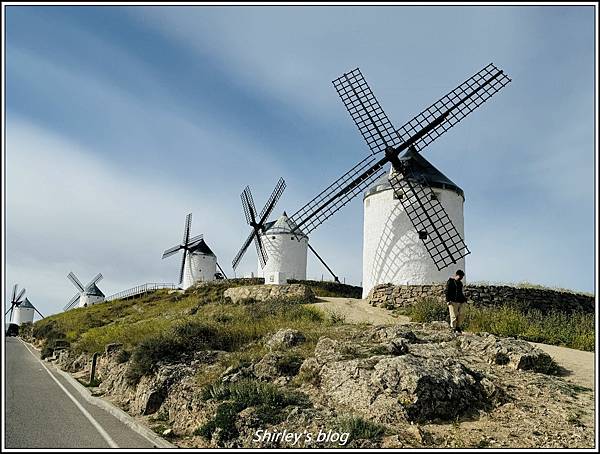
(90,418)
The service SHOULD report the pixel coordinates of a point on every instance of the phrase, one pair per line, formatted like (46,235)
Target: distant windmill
(198,262)
(432,232)
(21,311)
(85,296)
(280,246)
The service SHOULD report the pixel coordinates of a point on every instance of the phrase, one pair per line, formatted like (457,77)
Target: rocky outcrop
(391,389)
(285,338)
(417,379)
(398,296)
(250,293)
(515,353)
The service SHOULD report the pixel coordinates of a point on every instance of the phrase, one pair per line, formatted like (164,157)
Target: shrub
(428,310)
(360,429)
(268,399)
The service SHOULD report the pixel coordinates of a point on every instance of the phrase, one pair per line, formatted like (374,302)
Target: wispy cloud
(123,120)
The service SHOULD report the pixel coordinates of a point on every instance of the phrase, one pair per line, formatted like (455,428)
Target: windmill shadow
(394,250)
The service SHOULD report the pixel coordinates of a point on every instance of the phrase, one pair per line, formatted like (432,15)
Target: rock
(152,390)
(112,349)
(248,293)
(397,389)
(385,333)
(398,347)
(285,338)
(515,353)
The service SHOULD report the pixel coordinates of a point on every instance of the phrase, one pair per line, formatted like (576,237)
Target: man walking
(456,300)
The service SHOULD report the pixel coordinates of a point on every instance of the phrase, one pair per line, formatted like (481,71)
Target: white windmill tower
(413,231)
(393,250)
(281,255)
(85,296)
(21,311)
(280,245)
(286,249)
(198,263)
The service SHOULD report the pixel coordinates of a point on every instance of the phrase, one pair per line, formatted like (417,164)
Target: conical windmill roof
(26,304)
(202,248)
(93,290)
(283,225)
(421,166)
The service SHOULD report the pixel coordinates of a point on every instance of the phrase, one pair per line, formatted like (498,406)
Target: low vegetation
(268,401)
(575,330)
(163,326)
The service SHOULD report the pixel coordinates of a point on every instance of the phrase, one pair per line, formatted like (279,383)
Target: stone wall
(266,292)
(396,296)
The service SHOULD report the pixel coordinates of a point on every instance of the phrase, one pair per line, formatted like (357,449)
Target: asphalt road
(41,413)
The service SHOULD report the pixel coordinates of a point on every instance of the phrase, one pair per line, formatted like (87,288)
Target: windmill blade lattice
(439,235)
(257,223)
(72,302)
(455,106)
(363,107)
(76,282)
(95,280)
(422,130)
(338,194)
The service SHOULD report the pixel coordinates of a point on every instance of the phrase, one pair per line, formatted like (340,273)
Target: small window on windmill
(399,194)
(422,234)
(272,237)
(435,195)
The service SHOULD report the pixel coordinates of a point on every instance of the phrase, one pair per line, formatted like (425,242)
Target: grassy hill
(168,321)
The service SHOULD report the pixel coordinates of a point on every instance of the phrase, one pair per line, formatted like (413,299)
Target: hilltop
(209,373)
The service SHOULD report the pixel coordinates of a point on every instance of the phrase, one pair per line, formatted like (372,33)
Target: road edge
(121,415)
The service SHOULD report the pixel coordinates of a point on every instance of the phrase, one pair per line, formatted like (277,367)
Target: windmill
(280,246)
(21,311)
(438,236)
(85,296)
(198,262)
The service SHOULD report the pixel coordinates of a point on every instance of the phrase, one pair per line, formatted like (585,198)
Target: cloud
(67,209)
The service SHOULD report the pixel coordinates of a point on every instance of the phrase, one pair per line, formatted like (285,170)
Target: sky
(120,120)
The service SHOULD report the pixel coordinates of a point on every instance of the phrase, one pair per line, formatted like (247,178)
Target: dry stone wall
(398,296)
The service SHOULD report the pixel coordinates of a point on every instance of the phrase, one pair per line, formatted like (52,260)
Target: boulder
(515,353)
(285,338)
(248,293)
(405,388)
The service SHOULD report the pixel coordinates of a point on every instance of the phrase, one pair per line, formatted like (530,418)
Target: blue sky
(121,120)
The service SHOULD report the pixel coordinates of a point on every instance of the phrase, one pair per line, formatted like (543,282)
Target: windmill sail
(442,240)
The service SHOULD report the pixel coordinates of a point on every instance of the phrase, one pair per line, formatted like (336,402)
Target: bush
(360,429)
(428,310)
(268,399)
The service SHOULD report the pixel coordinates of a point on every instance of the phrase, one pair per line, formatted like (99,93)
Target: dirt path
(579,364)
(359,311)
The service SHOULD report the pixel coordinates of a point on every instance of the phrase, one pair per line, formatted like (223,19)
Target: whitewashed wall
(392,251)
(22,315)
(287,255)
(88,300)
(199,268)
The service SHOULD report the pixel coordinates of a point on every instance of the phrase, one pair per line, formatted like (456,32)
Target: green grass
(526,284)
(269,401)
(556,328)
(360,429)
(162,328)
(335,289)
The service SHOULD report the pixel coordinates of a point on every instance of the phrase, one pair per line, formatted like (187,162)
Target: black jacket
(454,291)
